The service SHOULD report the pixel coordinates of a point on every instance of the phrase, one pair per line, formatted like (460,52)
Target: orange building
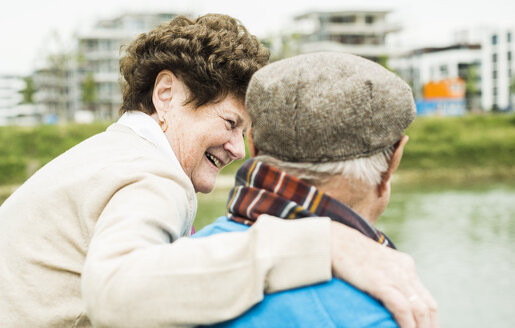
(451,88)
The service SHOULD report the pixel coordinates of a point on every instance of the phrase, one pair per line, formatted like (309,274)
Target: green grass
(439,144)
(470,150)
(211,206)
(23,150)
(473,141)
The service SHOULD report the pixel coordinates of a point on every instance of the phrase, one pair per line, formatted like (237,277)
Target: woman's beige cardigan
(94,238)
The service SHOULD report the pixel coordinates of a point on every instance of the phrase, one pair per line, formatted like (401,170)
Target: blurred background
(453,200)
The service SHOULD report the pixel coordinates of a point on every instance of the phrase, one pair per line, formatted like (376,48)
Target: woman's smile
(214,160)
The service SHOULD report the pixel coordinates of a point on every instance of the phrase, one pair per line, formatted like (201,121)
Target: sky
(26,26)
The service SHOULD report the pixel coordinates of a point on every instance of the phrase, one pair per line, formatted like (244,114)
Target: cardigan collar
(147,128)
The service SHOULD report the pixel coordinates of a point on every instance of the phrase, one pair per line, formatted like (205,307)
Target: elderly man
(328,131)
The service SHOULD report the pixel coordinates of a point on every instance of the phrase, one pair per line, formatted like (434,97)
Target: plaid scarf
(262,189)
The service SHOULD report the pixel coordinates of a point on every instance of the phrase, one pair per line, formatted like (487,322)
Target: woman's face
(207,138)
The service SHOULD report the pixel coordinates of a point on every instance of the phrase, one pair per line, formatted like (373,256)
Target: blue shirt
(331,304)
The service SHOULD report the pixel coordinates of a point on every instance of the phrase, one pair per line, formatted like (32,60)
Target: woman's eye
(231,123)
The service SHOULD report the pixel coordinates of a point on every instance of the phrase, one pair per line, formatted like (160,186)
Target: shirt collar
(147,128)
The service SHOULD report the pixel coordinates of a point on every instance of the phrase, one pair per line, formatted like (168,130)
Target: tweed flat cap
(324,107)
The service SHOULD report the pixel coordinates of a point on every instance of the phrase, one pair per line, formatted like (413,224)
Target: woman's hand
(386,274)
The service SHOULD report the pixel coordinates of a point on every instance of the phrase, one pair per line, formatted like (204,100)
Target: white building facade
(361,32)
(12,111)
(498,67)
(10,97)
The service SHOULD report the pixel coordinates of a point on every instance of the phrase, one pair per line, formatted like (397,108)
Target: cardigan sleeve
(140,272)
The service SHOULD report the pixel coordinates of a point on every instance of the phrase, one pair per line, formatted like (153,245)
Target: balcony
(361,28)
(361,50)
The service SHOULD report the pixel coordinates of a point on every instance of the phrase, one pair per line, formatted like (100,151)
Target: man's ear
(394,164)
(252,148)
(162,93)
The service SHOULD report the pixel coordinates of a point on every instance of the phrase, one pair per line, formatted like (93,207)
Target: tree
(29,90)
(56,70)
(383,61)
(283,45)
(89,91)
(471,87)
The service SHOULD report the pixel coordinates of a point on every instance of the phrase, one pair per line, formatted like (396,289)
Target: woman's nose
(236,147)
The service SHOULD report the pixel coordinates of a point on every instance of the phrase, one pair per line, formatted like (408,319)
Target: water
(463,242)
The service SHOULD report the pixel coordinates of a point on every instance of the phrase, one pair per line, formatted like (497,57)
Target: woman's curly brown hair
(213,56)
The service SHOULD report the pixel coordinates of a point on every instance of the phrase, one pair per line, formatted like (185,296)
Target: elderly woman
(94,237)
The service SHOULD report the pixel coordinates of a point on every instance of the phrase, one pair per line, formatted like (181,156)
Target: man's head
(334,120)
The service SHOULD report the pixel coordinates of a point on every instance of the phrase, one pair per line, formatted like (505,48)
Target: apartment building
(10,97)
(361,32)
(483,58)
(54,87)
(498,68)
(99,51)
(12,111)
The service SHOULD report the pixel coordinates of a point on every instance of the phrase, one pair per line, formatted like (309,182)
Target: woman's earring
(164,124)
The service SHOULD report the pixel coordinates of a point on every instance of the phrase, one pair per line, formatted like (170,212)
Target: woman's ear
(393,165)
(250,141)
(162,93)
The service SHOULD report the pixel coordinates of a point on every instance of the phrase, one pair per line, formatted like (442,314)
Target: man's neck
(358,196)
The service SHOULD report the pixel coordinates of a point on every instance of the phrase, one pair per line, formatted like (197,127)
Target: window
(494,92)
(494,75)
(494,39)
(508,55)
(350,39)
(463,70)
(103,66)
(348,19)
(90,45)
(343,19)
(135,25)
(494,58)
(369,19)
(104,45)
(444,70)
(508,37)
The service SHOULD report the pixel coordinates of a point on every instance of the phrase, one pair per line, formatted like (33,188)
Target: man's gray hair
(368,170)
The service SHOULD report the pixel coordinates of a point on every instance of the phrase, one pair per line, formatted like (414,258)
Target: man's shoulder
(332,304)
(222,224)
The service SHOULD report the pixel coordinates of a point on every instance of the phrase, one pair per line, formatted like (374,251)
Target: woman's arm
(140,273)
